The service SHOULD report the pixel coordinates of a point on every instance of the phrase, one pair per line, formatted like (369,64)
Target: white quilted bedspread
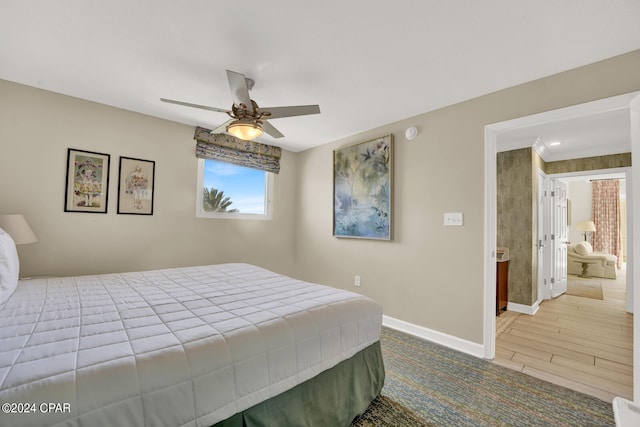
(176,347)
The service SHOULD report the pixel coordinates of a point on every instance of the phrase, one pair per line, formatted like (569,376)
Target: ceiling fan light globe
(244,130)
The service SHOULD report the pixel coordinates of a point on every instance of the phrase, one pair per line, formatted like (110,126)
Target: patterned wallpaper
(515,219)
(589,164)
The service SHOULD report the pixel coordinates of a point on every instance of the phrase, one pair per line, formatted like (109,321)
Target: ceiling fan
(248,120)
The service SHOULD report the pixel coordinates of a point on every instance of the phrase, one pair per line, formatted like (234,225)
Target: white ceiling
(366,64)
(599,128)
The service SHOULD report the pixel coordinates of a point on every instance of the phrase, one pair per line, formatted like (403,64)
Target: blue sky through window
(244,186)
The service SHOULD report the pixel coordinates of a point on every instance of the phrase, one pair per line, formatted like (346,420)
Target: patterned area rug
(384,411)
(584,288)
(444,387)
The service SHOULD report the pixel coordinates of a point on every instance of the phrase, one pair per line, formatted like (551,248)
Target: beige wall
(37,127)
(431,275)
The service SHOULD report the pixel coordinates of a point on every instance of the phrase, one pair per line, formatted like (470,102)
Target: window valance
(226,148)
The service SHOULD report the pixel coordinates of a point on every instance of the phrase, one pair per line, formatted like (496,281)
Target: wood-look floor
(580,343)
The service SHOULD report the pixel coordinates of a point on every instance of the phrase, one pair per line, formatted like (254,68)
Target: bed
(224,345)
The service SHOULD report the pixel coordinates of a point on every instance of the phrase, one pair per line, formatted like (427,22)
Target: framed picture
(87,182)
(362,190)
(135,186)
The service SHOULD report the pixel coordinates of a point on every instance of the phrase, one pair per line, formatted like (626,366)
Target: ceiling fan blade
(202,107)
(223,127)
(298,110)
(268,128)
(239,89)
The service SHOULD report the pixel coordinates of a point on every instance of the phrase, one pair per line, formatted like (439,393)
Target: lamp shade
(586,226)
(18,229)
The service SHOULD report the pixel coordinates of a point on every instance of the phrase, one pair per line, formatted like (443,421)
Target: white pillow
(583,248)
(9,266)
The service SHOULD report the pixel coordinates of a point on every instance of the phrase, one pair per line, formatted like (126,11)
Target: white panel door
(559,239)
(544,261)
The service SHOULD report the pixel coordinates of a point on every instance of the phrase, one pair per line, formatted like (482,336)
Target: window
(229,191)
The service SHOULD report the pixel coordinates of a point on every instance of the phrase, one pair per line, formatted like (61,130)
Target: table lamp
(18,229)
(586,227)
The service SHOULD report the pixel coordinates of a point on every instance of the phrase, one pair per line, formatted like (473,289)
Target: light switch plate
(453,218)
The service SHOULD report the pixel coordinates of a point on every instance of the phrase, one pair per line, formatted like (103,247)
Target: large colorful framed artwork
(135,186)
(362,189)
(87,181)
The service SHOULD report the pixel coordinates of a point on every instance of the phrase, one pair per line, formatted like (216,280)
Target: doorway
(631,102)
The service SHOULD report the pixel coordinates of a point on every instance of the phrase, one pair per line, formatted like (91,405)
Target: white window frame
(268,195)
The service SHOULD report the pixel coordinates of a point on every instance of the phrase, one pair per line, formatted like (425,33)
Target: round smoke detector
(411,133)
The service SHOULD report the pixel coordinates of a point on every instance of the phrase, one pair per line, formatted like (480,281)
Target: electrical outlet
(356,282)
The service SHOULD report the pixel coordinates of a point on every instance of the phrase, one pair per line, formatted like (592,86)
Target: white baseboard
(524,309)
(450,341)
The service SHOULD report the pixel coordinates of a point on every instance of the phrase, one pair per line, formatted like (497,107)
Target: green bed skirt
(333,398)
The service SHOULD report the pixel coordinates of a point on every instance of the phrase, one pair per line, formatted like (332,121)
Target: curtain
(226,148)
(605,196)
